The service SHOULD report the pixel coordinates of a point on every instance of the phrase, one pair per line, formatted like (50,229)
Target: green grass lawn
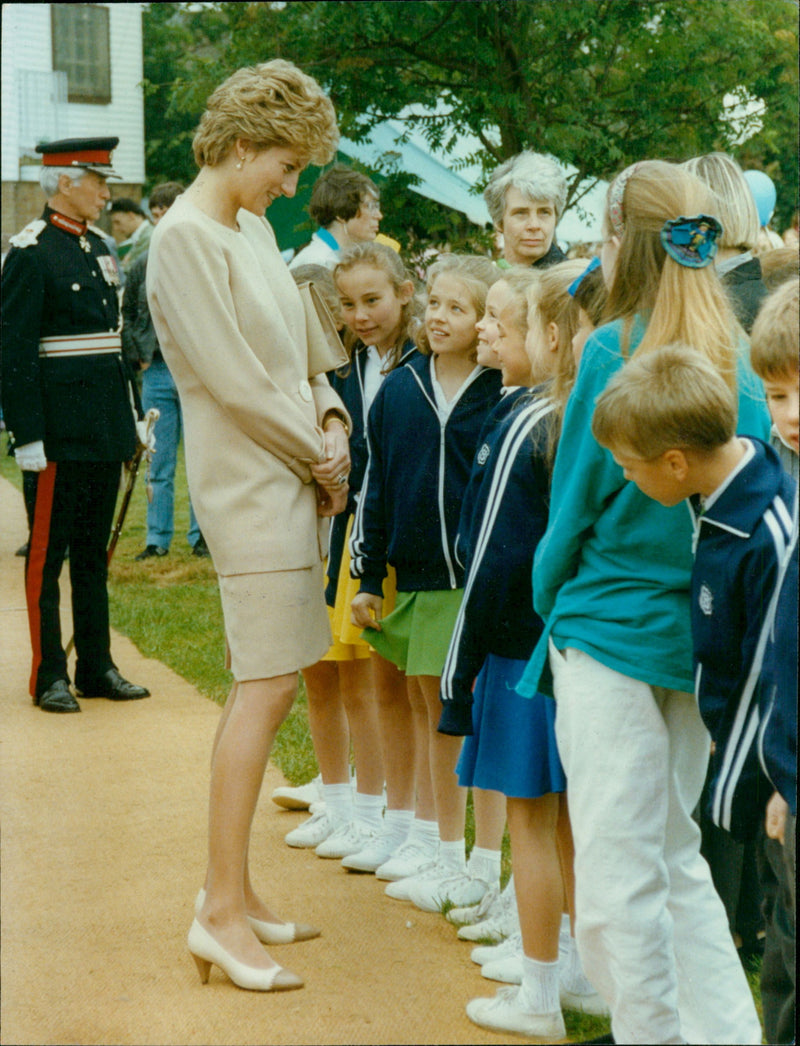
(170,609)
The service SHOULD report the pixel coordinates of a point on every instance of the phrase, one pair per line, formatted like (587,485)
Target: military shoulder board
(29,235)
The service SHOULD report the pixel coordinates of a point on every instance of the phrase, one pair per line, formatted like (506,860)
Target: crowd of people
(536,539)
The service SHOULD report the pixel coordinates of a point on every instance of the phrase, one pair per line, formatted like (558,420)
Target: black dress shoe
(151,551)
(58,698)
(200,548)
(113,686)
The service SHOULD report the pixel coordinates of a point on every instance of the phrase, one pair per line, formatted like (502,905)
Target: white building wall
(27,46)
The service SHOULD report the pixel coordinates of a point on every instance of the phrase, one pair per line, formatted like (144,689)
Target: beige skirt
(275,622)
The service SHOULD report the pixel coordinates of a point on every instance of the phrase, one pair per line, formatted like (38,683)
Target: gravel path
(103,848)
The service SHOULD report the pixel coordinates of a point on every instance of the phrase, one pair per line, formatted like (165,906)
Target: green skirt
(416,635)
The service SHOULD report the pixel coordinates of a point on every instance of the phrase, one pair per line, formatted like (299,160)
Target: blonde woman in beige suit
(267,459)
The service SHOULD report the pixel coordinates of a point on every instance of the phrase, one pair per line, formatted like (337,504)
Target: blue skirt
(513,749)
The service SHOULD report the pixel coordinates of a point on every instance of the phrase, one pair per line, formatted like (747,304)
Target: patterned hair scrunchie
(692,242)
(615,194)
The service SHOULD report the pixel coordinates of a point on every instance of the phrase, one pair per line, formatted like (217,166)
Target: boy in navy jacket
(774,357)
(669,419)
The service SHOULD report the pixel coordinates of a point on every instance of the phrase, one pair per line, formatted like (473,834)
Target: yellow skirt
(347,642)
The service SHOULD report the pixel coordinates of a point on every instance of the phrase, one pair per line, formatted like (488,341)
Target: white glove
(30,457)
(145,432)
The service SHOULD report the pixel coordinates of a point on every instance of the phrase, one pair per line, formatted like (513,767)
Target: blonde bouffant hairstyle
(270,104)
(475,272)
(678,304)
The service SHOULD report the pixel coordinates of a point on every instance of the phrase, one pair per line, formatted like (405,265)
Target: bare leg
(425,806)
(396,724)
(490,818)
(328,722)
(449,797)
(566,855)
(537,874)
(242,747)
(355,687)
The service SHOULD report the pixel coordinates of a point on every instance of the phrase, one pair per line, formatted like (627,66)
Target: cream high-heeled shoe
(270,933)
(206,950)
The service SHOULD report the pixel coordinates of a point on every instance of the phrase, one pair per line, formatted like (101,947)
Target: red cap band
(69,159)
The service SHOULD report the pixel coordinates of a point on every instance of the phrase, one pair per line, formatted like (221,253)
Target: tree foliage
(598,83)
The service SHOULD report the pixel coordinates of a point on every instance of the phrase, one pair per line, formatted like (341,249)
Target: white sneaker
(475,913)
(407,860)
(507,970)
(299,798)
(504,1013)
(490,952)
(347,839)
(372,856)
(432,871)
(313,831)
(461,889)
(501,920)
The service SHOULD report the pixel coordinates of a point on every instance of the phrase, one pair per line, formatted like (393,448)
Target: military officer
(72,408)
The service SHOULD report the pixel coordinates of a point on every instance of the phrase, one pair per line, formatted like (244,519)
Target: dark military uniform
(64,382)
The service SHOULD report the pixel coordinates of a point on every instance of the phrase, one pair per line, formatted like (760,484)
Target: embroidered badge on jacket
(483,454)
(706,600)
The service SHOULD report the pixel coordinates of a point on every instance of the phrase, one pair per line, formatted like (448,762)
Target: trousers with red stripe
(70,506)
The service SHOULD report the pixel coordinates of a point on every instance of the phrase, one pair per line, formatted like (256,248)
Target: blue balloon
(763,189)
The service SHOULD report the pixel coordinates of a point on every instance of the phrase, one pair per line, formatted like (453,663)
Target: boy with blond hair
(774,357)
(669,419)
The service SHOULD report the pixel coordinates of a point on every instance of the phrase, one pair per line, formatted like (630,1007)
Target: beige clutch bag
(325,349)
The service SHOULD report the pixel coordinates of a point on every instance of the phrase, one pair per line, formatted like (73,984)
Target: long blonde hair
(549,301)
(679,304)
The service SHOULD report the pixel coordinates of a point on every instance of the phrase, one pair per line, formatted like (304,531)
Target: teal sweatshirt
(611,575)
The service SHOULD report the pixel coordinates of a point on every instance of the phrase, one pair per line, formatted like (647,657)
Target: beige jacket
(231,326)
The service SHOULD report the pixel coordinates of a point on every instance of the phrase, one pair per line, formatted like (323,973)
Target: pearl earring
(239,166)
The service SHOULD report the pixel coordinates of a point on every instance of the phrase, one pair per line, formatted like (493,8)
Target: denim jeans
(159,391)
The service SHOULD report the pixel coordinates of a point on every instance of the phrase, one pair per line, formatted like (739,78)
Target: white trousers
(651,931)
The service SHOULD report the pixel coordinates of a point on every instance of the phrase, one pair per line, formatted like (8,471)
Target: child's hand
(365,611)
(777,808)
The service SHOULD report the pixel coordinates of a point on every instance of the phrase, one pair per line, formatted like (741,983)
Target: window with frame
(81,49)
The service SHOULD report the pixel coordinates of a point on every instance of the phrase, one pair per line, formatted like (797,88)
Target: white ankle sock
(368,809)
(396,826)
(571,973)
(424,834)
(485,864)
(339,801)
(452,855)
(539,990)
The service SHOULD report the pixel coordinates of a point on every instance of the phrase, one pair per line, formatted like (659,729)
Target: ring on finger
(341,479)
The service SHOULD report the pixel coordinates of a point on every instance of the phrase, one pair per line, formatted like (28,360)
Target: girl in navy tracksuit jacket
(423,431)
(375,298)
(510,741)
